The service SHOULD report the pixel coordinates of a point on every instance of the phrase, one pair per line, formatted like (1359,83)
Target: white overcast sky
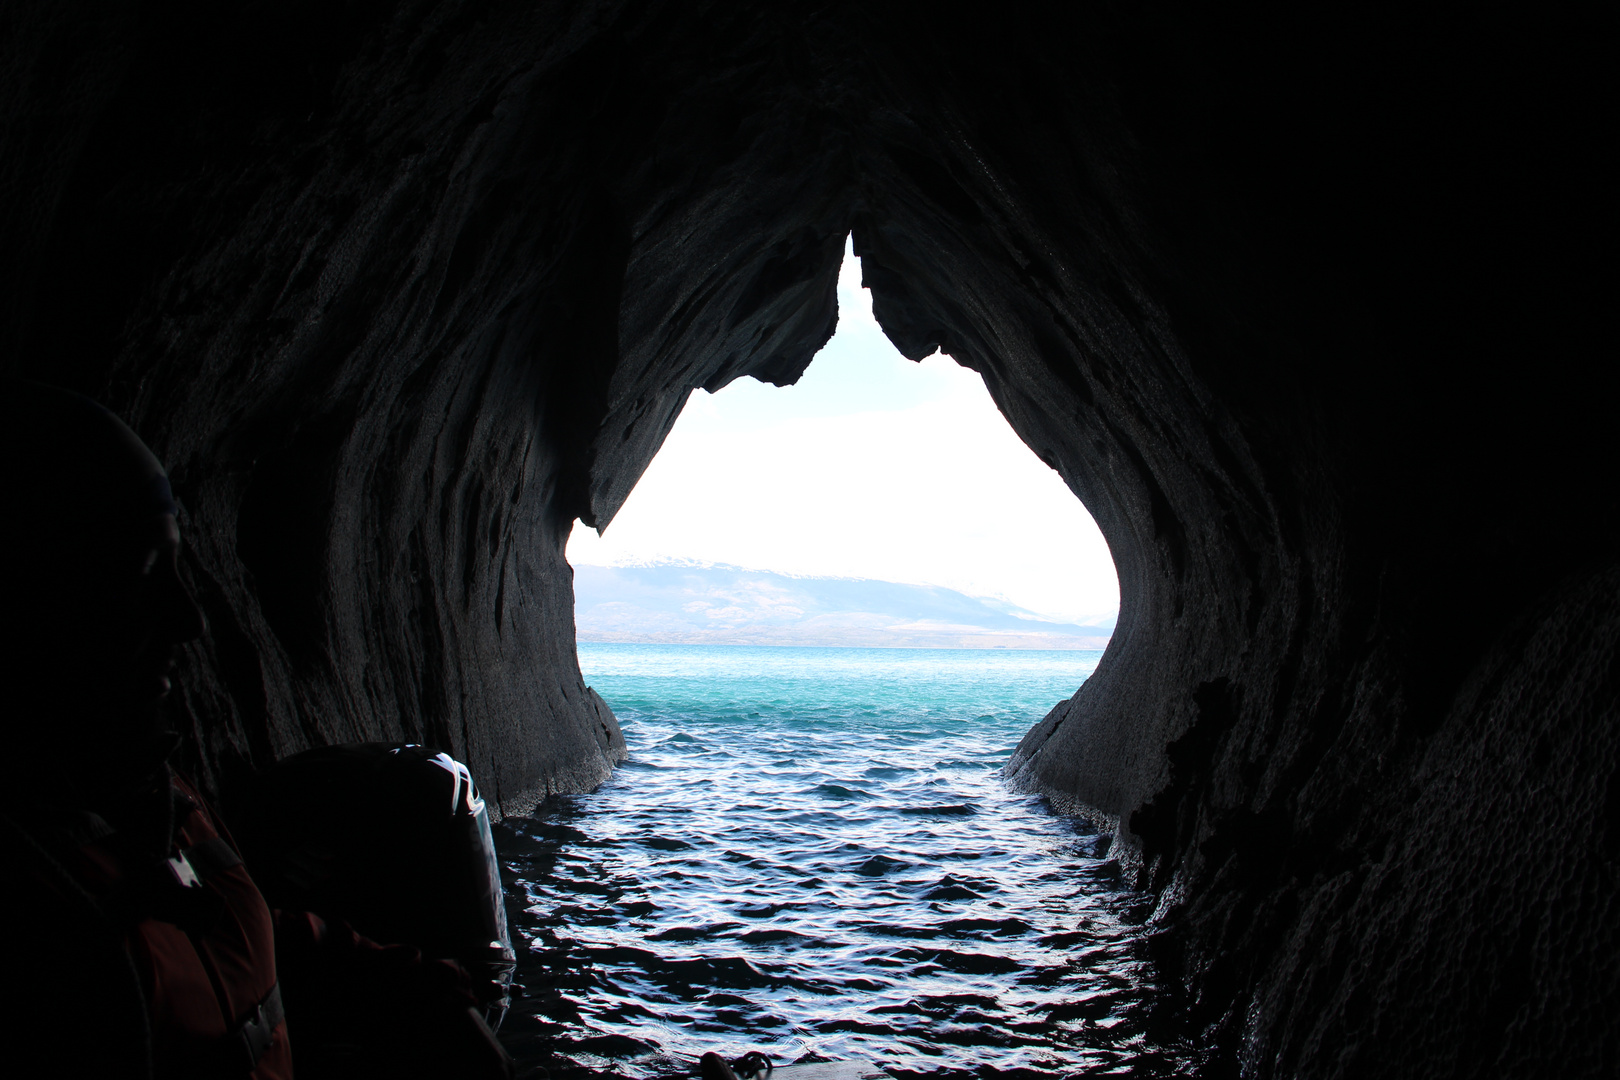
(871,466)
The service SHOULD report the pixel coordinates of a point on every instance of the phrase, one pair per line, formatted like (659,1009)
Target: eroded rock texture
(1309,309)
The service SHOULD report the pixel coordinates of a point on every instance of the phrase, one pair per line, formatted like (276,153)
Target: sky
(871,466)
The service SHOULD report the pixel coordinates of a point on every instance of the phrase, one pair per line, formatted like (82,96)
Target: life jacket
(198,932)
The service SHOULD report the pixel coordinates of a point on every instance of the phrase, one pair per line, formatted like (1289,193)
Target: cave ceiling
(1309,308)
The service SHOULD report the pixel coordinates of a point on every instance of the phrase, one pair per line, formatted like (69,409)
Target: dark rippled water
(810,852)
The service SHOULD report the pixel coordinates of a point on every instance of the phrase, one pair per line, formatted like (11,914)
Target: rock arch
(1305,309)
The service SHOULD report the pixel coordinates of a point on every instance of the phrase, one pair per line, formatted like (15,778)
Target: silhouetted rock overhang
(1310,310)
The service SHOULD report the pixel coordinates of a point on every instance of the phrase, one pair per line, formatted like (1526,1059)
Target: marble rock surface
(1311,309)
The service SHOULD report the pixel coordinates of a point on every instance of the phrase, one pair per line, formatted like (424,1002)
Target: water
(810,852)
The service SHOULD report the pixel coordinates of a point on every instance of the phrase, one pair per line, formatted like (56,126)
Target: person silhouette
(140,945)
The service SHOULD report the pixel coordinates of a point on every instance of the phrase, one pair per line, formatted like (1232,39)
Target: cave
(1308,307)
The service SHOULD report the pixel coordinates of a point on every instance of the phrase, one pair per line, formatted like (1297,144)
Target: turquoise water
(810,852)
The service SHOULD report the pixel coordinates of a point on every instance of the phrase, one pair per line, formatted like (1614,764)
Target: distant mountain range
(678,603)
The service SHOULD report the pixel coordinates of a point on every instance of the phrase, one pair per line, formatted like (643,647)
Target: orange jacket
(202,942)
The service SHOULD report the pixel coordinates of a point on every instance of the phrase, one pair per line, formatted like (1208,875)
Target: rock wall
(1307,308)
(398,292)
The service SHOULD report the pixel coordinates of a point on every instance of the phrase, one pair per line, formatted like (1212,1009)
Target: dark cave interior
(1307,307)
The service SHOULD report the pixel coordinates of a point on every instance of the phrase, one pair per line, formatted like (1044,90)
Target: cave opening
(870,468)
(810,849)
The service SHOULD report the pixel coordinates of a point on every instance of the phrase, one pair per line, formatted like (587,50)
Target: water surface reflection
(815,857)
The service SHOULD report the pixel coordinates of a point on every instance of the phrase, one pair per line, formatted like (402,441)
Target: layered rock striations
(398,293)
(1308,309)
